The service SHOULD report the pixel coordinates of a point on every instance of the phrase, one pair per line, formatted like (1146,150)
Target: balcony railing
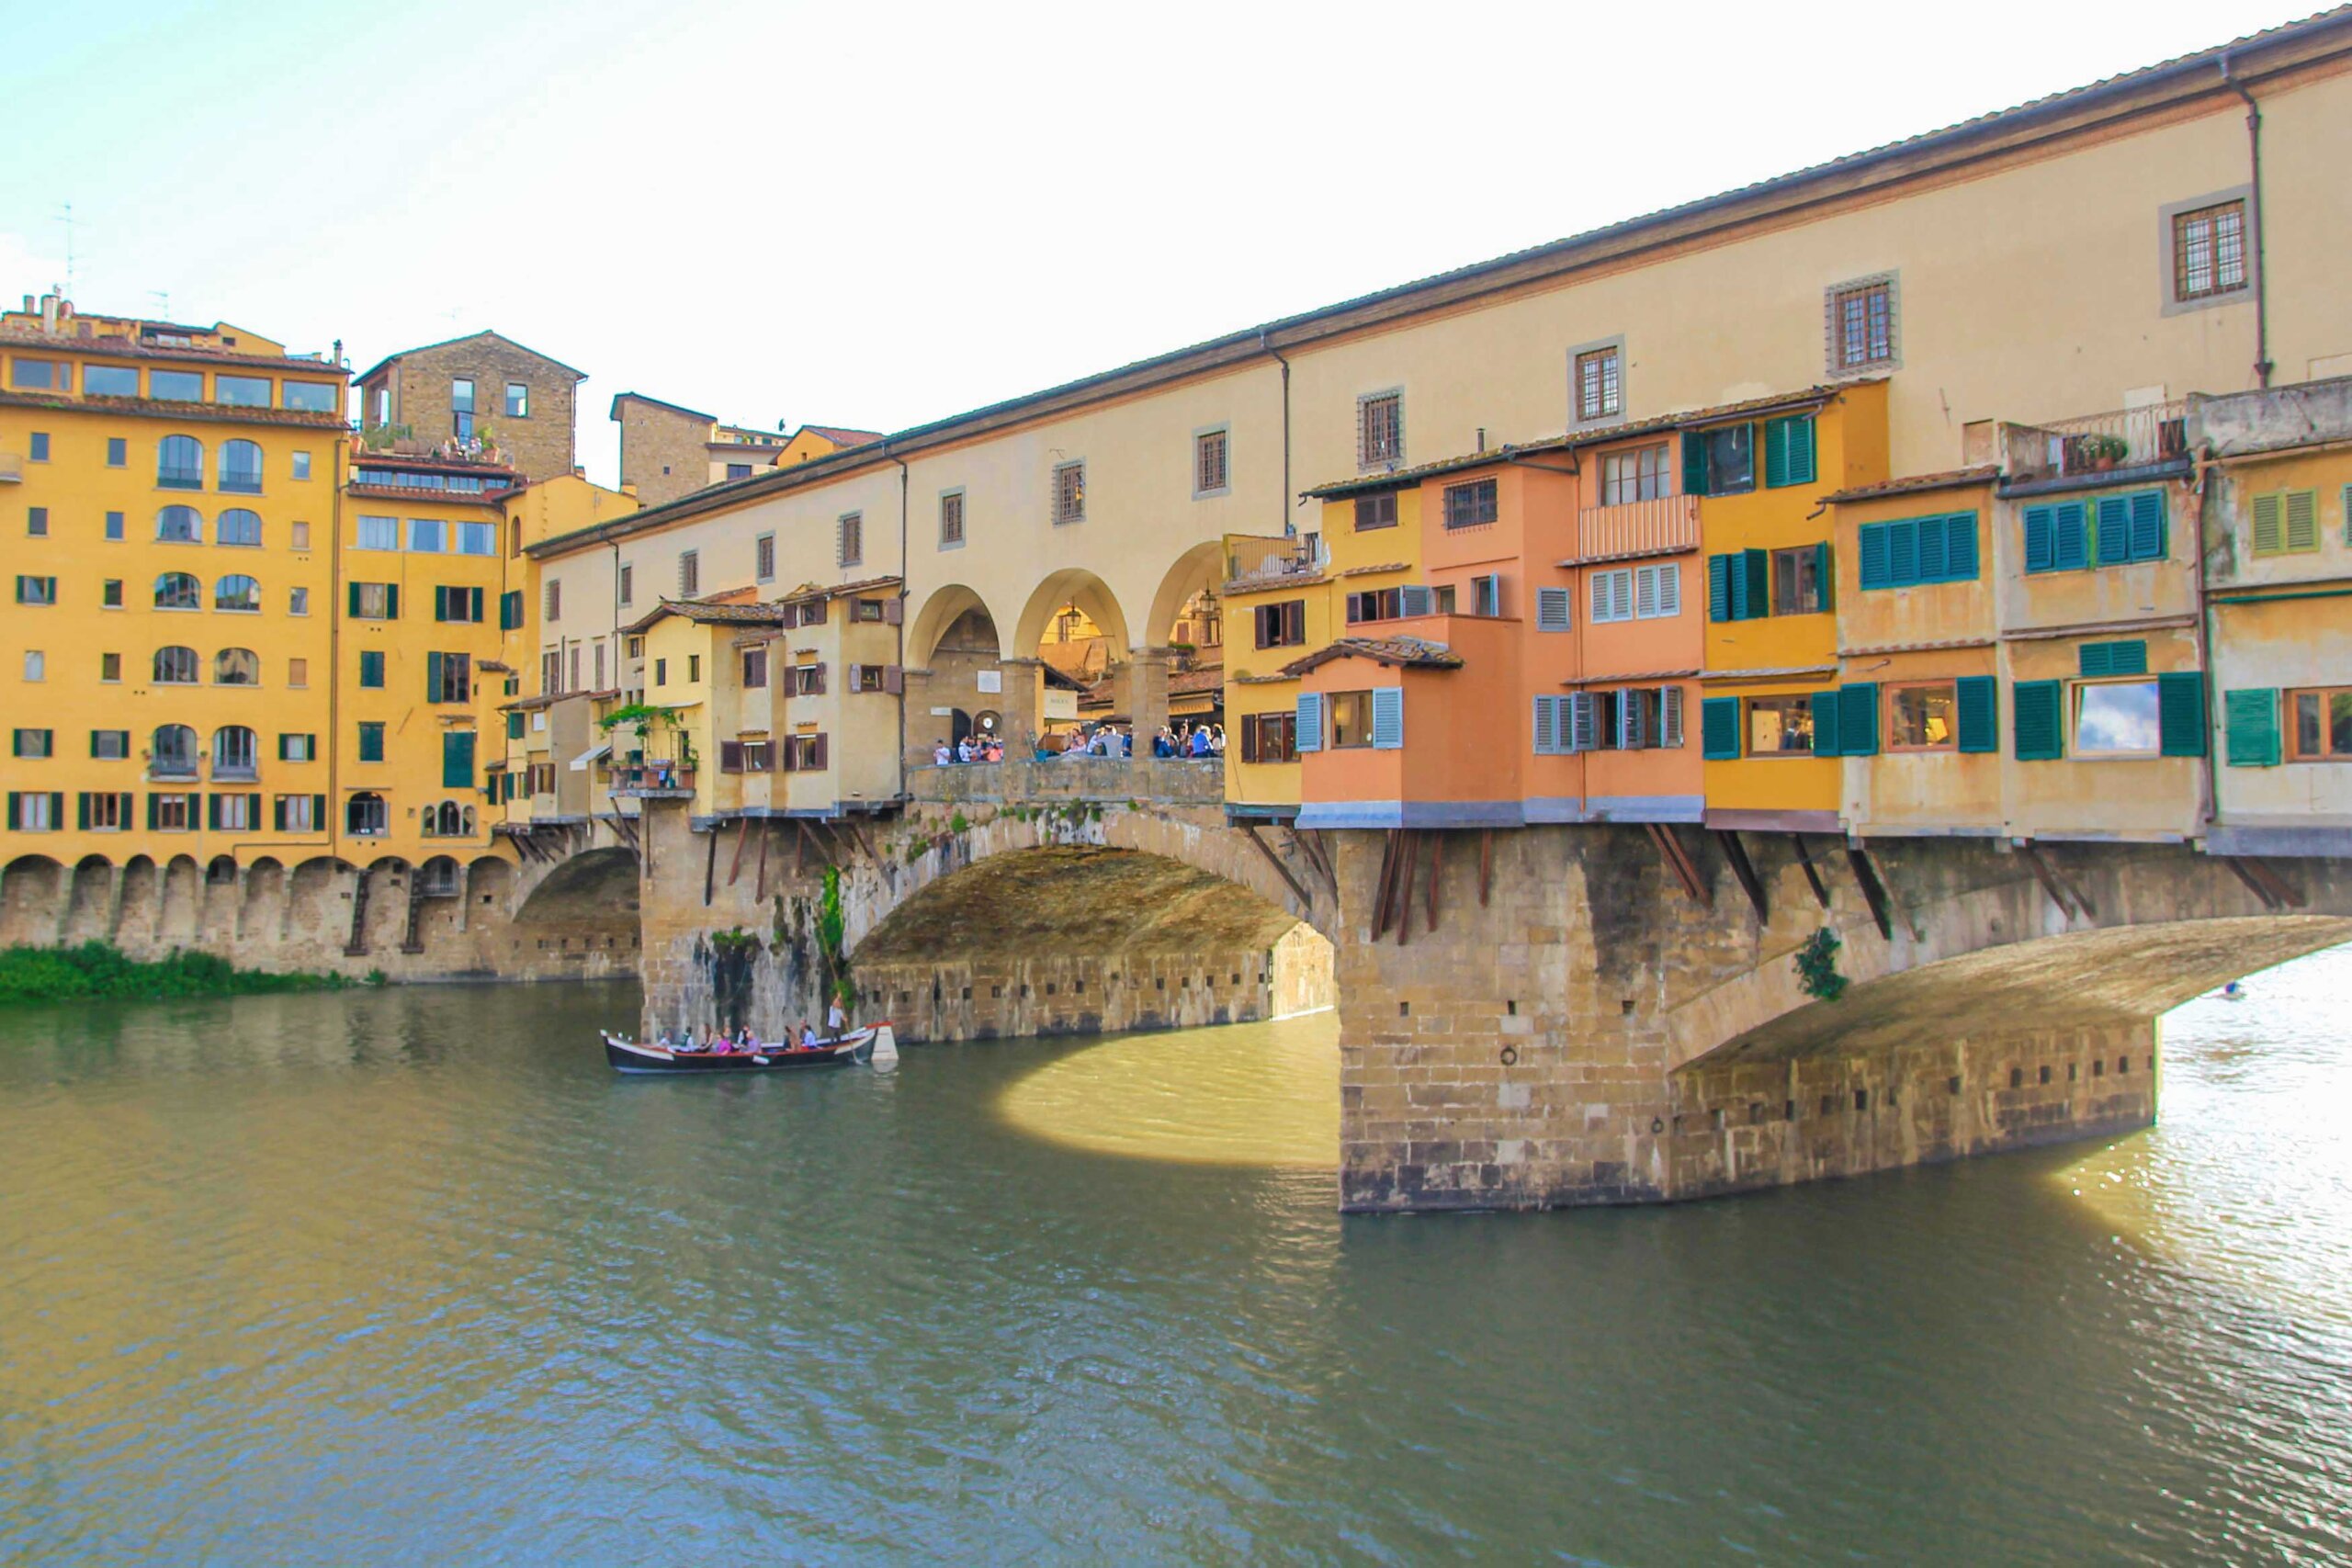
(1275,560)
(2125,438)
(659,779)
(1659,526)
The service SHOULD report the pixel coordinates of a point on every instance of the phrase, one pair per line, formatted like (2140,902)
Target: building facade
(668,451)
(481,390)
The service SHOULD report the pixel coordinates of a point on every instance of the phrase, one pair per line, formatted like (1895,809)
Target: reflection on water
(408,1277)
(1259,1094)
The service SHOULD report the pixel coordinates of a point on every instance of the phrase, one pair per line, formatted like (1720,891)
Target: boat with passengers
(874,1044)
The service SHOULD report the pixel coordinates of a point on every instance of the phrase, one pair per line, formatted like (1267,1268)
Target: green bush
(97,969)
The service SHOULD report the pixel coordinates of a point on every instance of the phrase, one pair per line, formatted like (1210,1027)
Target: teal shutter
(2071,527)
(1960,548)
(1823,584)
(1788,451)
(354,601)
(2114,528)
(2148,542)
(432,677)
(1719,728)
(1310,721)
(212,812)
(391,601)
(1824,724)
(277,815)
(510,609)
(440,603)
(513,727)
(1902,553)
(81,811)
(2036,725)
(1387,719)
(2180,713)
(371,670)
(473,605)
(1756,565)
(1694,464)
(2250,724)
(1980,718)
(2041,538)
(1877,564)
(1776,453)
(1935,553)
(1803,468)
(318,812)
(2094,658)
(1858,719)
(1719,588)
(155,812)
(457,759)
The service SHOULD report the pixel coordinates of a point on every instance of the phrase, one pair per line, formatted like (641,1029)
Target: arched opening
(366,815)
(29,886)
(955,640)
(597,887)
(1188,621)
(1075,629)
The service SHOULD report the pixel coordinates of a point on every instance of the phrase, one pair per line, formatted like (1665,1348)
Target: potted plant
(2104,452)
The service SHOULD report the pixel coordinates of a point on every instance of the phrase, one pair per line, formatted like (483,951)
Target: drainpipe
(1290,518)
(903,481)
(2262,366)
(334,607)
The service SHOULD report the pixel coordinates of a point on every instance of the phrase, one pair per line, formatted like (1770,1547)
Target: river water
(407,1277)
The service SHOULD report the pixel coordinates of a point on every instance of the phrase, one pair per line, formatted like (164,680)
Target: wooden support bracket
(1275,861)
(2265,883)
(710,869)
(1409,852)
(1873,890)
(742,836)
(1677,860)
(1812,872)
(1486,864)
(858,833)
(759,882)
(1745,870)
(1437,865)
(1384,885)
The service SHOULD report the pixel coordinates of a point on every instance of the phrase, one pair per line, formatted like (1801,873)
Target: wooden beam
(1437,865)
(1409,854)
(2042,874)
(1314,852)
(710,869)
(1486,864)
(1873,890)
(859,834)
(2269,876)
(1745,870)
(1267,849)
(742,836)
(1677,860)
(760,883)
(802,840)
(1812,873)
(1382,885)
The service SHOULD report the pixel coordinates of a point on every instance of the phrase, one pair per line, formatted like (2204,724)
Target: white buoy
(885,1055)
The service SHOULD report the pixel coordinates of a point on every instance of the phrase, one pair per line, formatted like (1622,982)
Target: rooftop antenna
(65,216)
(163,298)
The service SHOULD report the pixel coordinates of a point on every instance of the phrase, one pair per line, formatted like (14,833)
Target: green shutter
(2094,658)
(391,601)
(1719,588)
(2112,522)
(1980,719)
(2036,723)
(277,815)
(354,597)
(1742,607)
(1858,719)
(318,813)
(2250,724)
(2148,541)
(1824,586)
(1788,451)
(2270,537)
(2071,521)
(212,813)
(155,812)
(513,727)
(2180,713)
(1719,728)
(1803,468)
(1776,453)
(1757,566)
(1902,553)
(440,603)
(2041,538)
(1960,548)
(457,759)
(1824,724)
(1877,565)
(1694,464)
(432,677)
(81,811)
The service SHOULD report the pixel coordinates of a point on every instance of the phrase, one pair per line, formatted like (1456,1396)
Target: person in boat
(836,1021)
(808,1035)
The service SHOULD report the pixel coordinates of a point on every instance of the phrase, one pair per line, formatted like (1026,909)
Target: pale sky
(877,216)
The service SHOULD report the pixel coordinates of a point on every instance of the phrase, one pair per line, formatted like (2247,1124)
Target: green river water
(408,1277)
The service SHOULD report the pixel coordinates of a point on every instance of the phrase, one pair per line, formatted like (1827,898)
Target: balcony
(653,780)
(2098,443)
(12,468)
(1268,562)
(1657,527)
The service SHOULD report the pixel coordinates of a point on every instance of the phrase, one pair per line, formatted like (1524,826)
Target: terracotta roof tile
(166,408)
(703,612)
(1396,652)
(1375,570)
(1951,479)
(131,348)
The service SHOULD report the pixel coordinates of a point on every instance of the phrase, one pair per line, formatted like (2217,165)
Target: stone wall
(541,446)
(664,451)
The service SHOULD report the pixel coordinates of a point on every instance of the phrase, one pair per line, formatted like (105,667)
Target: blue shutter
(1877,570)
(1824,724)
(1858,719)
(1757,565)
(1719,728)
(1544,731)
(2180,713)
(2250,723)
(2041,538)
(1310,721)
(1387,719)
(2114,528)
(1960,548)
(1979,720)
(1694,463)
(2148,541)
(1902,553)
(1719,588)
(1741,609)
(2036,722)
(1583,722)
(2071,525)
(1935,555)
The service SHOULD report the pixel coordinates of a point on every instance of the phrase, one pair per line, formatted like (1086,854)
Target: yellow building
(166,636)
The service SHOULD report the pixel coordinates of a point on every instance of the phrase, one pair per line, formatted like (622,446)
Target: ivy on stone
(1816,963)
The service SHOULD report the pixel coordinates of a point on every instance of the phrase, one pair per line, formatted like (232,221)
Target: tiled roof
(166,408)
(1397,652)
(423,497)
(703,612)
(469,337)
(1376,571)
(620,397)
(842,436)
(131,348)
(1951,479)
(1635,677)
(837,589)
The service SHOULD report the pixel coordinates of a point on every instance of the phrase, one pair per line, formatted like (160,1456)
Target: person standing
(836,1021)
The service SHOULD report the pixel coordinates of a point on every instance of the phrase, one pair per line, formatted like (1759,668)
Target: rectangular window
(37,375)
(1912,551)
(373,601)
(297,748)
(628,585)
(850,546)
(1270,738)
(755,669)
(871,611)
(477,539)
(804,754)
(1471,506)
(1554,610)
(1780,727)
(1799,582)
(1720,461)
(171,813)
(298,602)
(461,395)
(1635,475)
(2319,725)
(868,678)
(114,525)
(310,397)
(298,536)
(2286,521)
(1600,384)
(371,741)
(105,811)
(38,444)
(298,672)
(763,557)
(554,600)
(1862,324)
(2118,718)
(110,745)
(109,381)
(299,465)
(35,664)
(1376,511)
(1657,591)
(1208,463)
(1612,595)
(518,400)
(1069,492)
(1923,716)
(689,573)
(371,670)
(379,534)
(242,392)
(1351,718)
(1487,595)
(458,604)
(1380,429)
(738,470)
(37,521)
(550,678)
(1281,625)
(661,671)
(117,452)
(297,813)
(428,536)
(177,385)
(36,591)
(2209,253)
(35,811)
(235,813)
(110,668)
(951,519)
(573,672)
(35,743)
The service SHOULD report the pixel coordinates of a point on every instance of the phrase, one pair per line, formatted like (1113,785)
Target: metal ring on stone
(1510,1055)
(1656,1125)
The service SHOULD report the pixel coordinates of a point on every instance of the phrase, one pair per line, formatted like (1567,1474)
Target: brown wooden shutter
(816,686)
(730,756)
(1250,738)
(791,614)
(791,753)
(894,679)
(1295,621)
(818,762)
(894,611)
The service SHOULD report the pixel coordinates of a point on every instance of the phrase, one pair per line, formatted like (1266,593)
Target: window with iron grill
(1380,429)
(1209,462)
(850,544)
(1069,492)
(1862,324)
(1376,511)
(2209,251)
(689,573)
(1471,506)
(763,557)
(951,518)
(1600,384)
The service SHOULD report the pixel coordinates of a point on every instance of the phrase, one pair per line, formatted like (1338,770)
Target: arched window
(179,463)
(176,667)
(236,592)
(235,753)
(236,667)
(179,526)
(364,813)
(241,468)
(237,526)
(465,823)
(172,754)
(178,590)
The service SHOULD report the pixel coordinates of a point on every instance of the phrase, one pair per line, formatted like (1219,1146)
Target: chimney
(49,312)
(29,304)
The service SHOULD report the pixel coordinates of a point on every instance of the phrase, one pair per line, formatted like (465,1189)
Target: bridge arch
(1197,571)
(953,607)
(1071,585)
(596,886)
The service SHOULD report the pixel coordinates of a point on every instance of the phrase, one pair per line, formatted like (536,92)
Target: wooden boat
(639,1057)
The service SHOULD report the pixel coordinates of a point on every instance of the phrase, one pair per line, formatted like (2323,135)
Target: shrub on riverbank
(100,969)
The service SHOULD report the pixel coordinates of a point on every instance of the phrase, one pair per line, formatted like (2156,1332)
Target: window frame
(1374,502)
(518,399)
(1804,559)
(1801,702)
(1356,702)
(1890,693)
(1222,436)
(2076,690)
(1479,504)
(1834,299)
(1369,456)
(1660,483)
(951,502)
(1067,501)
(1608,357)
(2290,747)
(2172,220)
